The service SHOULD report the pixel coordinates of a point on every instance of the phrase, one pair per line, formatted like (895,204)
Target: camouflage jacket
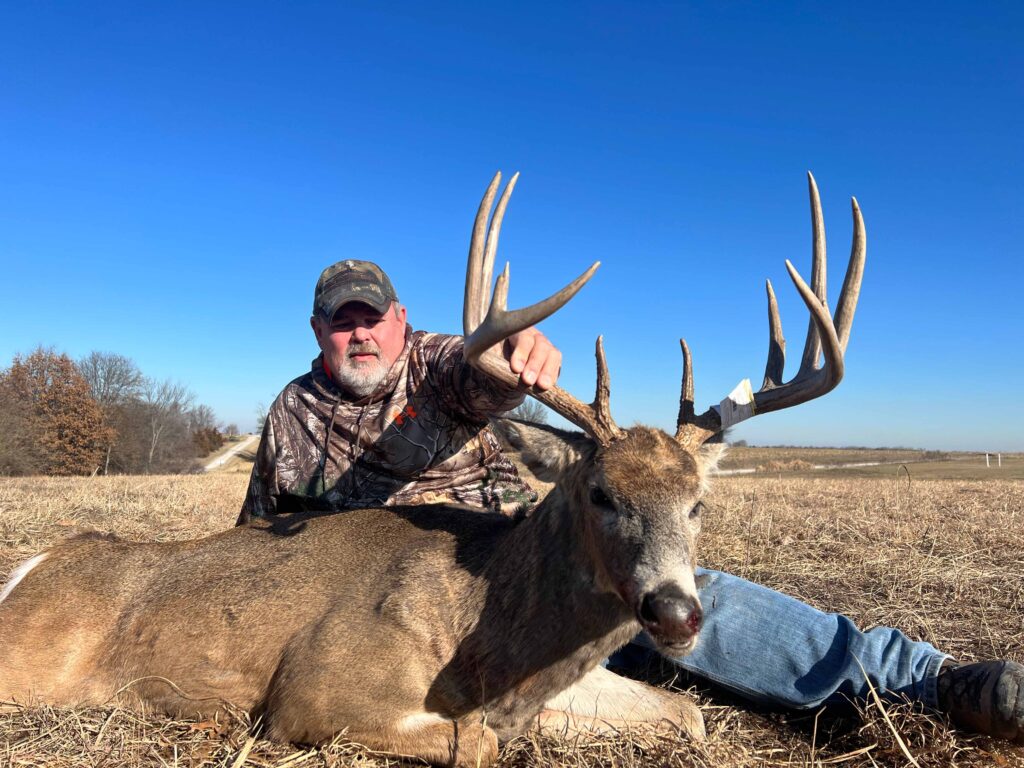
(421,438)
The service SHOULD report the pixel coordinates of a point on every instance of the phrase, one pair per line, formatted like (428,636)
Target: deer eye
(697,510)
(599,498)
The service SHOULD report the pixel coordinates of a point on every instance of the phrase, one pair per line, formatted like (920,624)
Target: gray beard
(361,379)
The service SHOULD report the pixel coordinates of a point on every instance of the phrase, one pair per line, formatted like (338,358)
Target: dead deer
(425,631)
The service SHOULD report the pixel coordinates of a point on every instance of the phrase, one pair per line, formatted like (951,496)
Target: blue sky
(173,177)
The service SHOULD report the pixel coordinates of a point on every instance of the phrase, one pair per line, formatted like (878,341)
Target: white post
(986,461)
(1000,457)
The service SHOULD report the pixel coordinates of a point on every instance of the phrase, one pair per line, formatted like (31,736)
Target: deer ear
(547,451)
(708,456)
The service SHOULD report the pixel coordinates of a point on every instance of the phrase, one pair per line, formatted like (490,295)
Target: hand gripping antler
(487,324)
(824,338)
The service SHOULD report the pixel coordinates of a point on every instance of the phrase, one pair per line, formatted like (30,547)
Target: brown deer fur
(430,631)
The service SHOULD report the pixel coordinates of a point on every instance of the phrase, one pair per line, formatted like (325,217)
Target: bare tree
(530,410)
(113,379)
(167,407)
(116,383)
(202,417)
(203,427)
(261,417)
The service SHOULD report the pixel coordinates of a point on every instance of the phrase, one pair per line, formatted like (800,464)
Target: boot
(986,697)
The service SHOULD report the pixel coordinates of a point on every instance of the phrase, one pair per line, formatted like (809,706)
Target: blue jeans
(774,649)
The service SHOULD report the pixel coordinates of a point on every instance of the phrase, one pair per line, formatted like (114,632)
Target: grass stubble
(941,559)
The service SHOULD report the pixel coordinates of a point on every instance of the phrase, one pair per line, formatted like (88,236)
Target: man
(390,416)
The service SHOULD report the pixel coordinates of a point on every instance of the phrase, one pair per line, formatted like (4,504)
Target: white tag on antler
(739,405)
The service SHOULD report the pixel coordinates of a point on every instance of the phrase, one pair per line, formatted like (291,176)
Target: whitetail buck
(426,631)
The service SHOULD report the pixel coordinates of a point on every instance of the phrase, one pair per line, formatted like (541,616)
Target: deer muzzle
(672,618)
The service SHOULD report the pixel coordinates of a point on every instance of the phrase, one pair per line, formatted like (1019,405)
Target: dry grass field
(941,559)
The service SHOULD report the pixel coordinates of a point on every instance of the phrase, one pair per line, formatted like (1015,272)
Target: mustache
(366,348)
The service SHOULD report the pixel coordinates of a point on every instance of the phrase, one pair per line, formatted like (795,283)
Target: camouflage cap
(352,280)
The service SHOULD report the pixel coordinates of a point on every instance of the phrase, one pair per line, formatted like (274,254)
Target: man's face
(360,344)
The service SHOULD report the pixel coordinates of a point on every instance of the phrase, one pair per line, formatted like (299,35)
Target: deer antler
(824,338)
(487,324)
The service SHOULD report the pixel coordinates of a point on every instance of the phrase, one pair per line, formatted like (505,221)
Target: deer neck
(547,553)
(544,622)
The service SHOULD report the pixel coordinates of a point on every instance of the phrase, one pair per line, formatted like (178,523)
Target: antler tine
(501,323)
(822,320)
(474,305)
(776,343)
(488,325)
(692,430)
(602,395)
(686,396)
(854,274)
(812,346)
(493,233)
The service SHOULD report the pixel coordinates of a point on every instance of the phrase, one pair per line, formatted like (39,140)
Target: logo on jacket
(401,416)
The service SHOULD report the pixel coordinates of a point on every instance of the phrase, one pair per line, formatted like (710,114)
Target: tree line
(98,415)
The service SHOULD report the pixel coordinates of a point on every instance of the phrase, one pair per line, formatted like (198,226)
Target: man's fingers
(522,346)
(534,358)
(543,366)
(550,370)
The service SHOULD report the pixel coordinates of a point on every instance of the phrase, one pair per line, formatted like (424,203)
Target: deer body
(378,621)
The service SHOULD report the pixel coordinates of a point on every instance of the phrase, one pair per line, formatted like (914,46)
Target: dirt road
(241,445)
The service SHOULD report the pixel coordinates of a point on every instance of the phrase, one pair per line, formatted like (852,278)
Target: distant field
(968,468)
(751,457)
(818,462)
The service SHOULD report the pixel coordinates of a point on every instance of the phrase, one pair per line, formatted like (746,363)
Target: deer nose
(670,615)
